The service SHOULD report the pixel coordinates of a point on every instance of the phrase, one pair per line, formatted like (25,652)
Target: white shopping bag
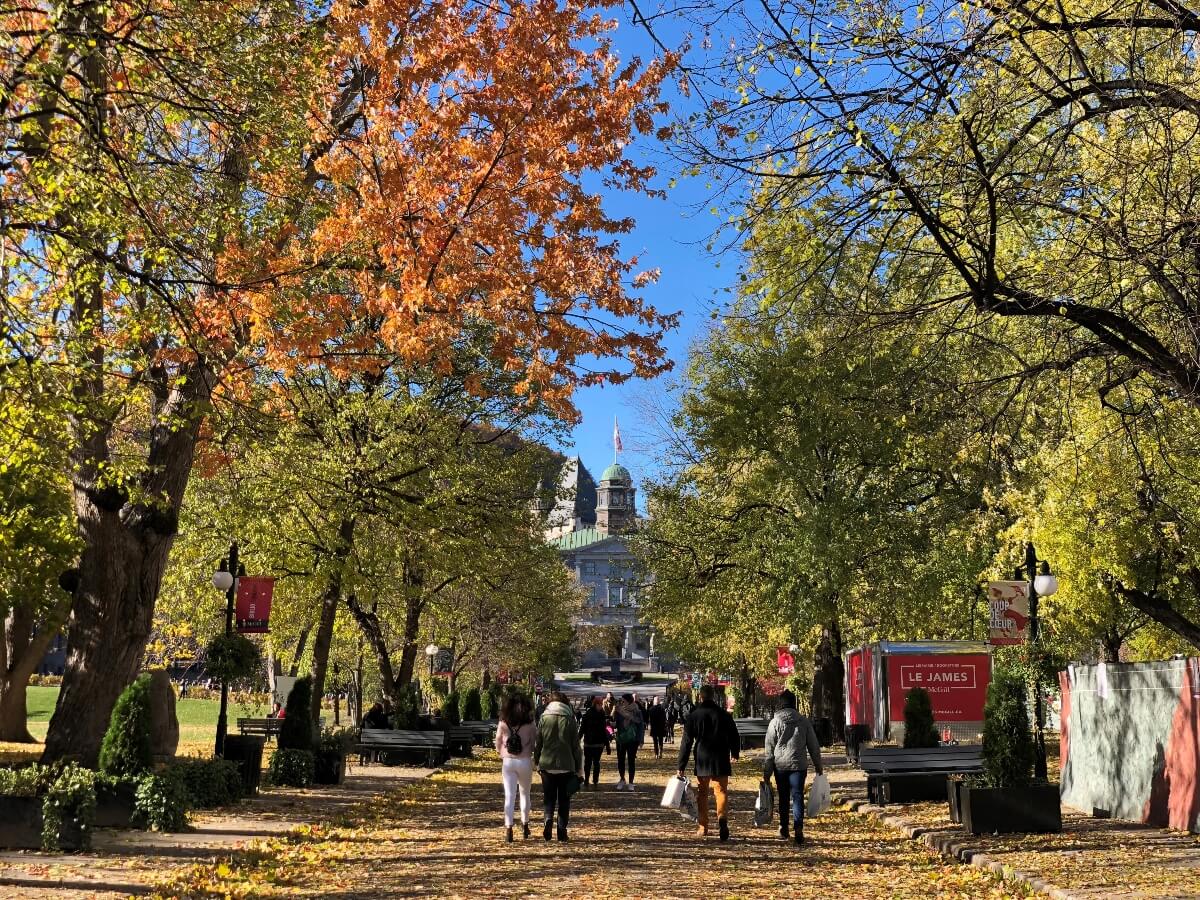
(673,794)
(764,805)
(688,806)
(818,796)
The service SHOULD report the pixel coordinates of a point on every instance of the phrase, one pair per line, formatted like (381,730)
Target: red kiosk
(880,675)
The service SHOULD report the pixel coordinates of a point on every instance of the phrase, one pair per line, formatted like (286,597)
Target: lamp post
(224,580)
(1042,583)
(337,697)
(431,651)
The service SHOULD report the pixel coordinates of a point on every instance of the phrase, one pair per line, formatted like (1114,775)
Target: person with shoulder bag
(596,740)
(515,738)
(789,737)
(630,729)
(559,760)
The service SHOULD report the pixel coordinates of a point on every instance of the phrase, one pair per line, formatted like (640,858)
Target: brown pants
(720,786)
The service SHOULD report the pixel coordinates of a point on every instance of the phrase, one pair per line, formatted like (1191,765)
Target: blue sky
(670,235)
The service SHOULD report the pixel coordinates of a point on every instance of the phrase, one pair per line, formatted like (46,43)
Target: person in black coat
(596,740)
(658,726)
(711,732)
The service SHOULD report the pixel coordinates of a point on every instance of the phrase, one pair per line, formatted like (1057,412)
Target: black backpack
(513,743)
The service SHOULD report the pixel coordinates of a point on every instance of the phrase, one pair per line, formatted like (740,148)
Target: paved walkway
(443,837)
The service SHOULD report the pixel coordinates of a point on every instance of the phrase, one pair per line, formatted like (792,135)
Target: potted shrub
(472,706)
(1008,800)
(919,733)
(330,760)
(126,754)
(293,763)
(47,807)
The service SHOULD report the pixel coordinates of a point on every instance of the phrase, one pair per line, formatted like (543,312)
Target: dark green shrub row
(293,768)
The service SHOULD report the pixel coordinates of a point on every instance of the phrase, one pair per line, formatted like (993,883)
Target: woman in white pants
(514,742)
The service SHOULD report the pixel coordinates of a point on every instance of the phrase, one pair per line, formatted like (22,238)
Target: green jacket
(557,746)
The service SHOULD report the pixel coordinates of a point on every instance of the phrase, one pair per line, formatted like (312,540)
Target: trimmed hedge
(293,768)
(126,751)
(472,706)
(919,728)
(296,732)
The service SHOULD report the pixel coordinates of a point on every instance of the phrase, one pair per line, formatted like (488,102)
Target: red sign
(254,604)
(857,696)
(957,684)
(785,661)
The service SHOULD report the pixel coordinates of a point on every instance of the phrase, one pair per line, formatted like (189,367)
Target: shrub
(472,706)
(491,702)
(231,657)
(450,710)
(293,768)
(1008,749)
(336,740)
(919,728)
(162,801)
(296,732)
(126,750)
(208,782)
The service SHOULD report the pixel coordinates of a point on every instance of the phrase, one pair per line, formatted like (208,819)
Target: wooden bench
(382,741)
(751,732)
(899,775)
(267,728)
(484,733)
(461,738)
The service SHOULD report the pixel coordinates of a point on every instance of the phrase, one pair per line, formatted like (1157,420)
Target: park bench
(378,742)
(483,734)
(266,728)
(899,775)
(461,738)
(751,732)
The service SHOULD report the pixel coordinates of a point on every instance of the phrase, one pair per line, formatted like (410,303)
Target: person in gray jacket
(789,736)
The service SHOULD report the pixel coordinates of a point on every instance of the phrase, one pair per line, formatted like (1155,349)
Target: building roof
(577,540)
(617,472)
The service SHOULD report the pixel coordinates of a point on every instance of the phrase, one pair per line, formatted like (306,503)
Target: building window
(614,594)
(589,567)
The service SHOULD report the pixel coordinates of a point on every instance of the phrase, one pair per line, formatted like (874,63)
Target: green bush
(1008,750)
(450,710)
(491,702)
(919,727)
(162,802)
(472,706)
(126,751)
(293,768)
(209,782)
(296,732)
(232,657)
(336,740)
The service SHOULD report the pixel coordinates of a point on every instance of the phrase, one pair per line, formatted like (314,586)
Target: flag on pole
(617,446)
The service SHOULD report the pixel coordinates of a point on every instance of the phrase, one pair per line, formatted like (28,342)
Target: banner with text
(253,609)
(1008,607)
(785,662)
(957,684)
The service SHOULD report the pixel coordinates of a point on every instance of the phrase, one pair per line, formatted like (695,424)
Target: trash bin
(824,729)
(247,752)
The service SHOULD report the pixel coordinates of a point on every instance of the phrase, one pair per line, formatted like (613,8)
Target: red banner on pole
(785,661)
(253,608)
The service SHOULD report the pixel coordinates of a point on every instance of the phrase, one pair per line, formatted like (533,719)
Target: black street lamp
(223,580)
(1042,583)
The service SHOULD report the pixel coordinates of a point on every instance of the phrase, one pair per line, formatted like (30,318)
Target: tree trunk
(368,623)
(301,643)
(414,605)
(21,649)
(828,691)
(1161,611)
(329,604)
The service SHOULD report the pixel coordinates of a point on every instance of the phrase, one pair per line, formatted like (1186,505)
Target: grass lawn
(197,721)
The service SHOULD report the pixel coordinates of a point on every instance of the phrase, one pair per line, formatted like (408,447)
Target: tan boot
(702,831)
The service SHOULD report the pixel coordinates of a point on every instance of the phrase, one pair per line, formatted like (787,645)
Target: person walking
(610,704)
(789,736)
(515,738)
(557,756)
(596,740)
(710,731)
(630,732)
(658,726)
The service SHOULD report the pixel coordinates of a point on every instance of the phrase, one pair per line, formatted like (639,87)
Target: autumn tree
(196,190)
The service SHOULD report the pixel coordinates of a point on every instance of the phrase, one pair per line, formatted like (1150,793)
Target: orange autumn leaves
(464,199)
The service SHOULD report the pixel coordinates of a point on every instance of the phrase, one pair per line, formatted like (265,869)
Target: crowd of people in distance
(565,747)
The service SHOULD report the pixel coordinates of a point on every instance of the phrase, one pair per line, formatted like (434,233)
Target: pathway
(443,837)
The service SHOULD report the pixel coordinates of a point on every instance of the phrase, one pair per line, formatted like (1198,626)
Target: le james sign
(957,684)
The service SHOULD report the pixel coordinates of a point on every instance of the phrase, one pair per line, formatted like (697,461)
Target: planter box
(115,806)
(329,768)
(1034,808)
(21,826)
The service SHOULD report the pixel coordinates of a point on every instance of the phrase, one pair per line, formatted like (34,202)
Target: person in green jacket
(558,758)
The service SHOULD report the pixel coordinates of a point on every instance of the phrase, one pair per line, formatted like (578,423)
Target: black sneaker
(508,835)
(547,829)
(562,835)
(783,832)
(525,828)
(723,830)
(799,838)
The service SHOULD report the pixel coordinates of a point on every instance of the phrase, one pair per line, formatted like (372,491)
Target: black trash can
(247,752)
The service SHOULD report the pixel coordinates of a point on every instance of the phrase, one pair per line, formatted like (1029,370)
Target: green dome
(617,472)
